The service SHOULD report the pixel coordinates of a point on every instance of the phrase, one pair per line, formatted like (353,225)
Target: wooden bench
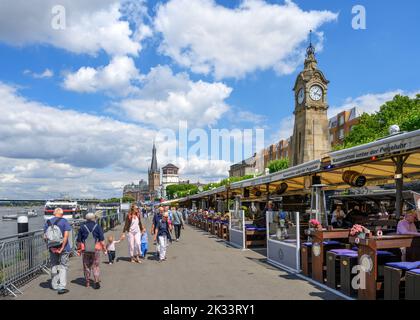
(412,285)
(395,279)
(333,259)
(255,237)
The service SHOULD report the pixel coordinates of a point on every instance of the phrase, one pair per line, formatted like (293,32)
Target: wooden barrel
(354,178)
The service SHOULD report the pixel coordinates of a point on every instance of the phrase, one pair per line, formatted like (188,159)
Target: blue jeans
(143,249)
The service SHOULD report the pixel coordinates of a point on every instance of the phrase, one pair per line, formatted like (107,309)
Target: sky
(88,86)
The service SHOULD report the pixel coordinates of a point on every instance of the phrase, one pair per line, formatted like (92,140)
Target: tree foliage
(180,190)
(128,198)
(402,111)
(278,165)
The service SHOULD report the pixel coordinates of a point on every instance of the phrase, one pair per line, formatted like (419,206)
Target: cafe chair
(412,285)
(395,278)
(333,259)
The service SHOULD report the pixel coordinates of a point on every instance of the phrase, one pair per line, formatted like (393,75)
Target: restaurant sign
(396,144)
(300,170)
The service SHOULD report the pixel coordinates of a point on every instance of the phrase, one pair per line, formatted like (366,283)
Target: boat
(12,217)
(32,213)
(71,209)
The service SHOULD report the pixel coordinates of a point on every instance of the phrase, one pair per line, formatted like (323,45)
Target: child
(111,247)
(144,242)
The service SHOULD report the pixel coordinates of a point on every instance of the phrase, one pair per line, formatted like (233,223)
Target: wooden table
(367,257)
(318,254)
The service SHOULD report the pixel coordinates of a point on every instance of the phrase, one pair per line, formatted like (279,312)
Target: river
(9,228)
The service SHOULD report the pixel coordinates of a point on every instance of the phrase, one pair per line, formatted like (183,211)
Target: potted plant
(315,225)
(360,231)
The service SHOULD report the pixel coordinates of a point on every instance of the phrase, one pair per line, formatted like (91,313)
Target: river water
(9,228)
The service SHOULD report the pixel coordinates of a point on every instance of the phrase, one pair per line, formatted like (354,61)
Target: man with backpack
(56,234)
(91,241)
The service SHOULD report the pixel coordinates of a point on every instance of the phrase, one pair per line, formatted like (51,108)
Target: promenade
(199,266)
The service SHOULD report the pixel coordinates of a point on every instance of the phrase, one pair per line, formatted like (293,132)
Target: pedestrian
(56,233)
(144,243)
(178,223)
(133,228)
(156,218)
(90,242)
(163,236)
(110,247)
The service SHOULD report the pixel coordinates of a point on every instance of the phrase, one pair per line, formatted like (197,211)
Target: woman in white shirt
(133,227)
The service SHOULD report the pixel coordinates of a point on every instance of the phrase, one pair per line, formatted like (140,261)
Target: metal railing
(20,258)
(26,254)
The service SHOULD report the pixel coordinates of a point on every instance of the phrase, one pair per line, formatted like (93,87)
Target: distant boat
(32,213)
(11,217)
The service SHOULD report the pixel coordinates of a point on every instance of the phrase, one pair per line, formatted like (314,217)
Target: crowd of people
(167,224)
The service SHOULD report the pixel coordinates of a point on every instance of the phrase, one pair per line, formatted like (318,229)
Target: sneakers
(96,286)
(63,291)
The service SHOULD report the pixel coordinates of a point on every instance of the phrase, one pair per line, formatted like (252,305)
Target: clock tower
(310,134)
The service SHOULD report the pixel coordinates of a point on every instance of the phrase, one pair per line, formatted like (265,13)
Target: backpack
(90,241)
(53,234)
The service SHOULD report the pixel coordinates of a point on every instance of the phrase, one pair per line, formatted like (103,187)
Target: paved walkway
(199,266)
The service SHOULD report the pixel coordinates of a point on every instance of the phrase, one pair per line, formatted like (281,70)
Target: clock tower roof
(310,70)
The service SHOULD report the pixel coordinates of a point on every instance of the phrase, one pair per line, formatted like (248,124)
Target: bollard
(23,227)
(22,224)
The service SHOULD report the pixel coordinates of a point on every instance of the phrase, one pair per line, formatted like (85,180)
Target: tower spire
(153,166)
(310,61)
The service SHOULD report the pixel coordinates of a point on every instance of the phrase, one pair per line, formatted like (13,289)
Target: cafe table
(318,249)
(368,259)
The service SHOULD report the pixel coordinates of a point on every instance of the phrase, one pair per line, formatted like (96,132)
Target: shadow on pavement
(79,281)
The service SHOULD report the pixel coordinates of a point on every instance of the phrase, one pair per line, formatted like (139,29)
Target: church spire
(153,166)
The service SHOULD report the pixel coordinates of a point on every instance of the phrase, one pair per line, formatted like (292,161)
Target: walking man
(178,222)
(163,236)
(156,218)
(56,233)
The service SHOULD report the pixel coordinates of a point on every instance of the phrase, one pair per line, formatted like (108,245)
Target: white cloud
(210,38)
(203,169)
(285,130)
(47,73)
(166,98)
(116,78)
(31,130)
(47,151)
(370,102)
(91,26)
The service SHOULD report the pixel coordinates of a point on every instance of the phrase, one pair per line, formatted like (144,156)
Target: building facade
(139,192)
(170,176)
(243,168)
(310,133)
(341,125)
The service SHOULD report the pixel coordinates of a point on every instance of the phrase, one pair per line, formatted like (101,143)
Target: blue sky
(229,64)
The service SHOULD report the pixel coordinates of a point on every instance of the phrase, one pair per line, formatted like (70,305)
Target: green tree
(278,165)
(180,190)
(402,111)
(128,198)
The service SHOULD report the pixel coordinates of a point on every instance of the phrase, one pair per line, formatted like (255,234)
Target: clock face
(315,93)
(301,96)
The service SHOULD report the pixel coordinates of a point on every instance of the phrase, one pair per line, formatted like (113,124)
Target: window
(332,137)
(341,134)
(333,122)
(341,120)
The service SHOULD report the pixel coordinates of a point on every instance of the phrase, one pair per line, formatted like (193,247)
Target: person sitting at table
(338,216)
(407,225)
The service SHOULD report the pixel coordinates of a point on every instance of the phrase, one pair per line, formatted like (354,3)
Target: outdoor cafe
(296,215)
